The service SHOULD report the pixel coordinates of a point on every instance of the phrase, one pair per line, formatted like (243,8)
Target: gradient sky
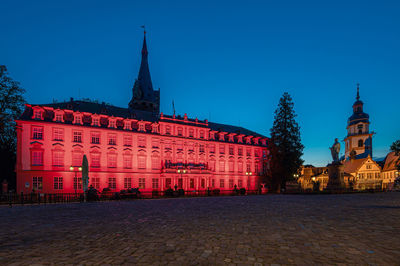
(226,61)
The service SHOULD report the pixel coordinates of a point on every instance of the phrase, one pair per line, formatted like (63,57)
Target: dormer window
(78,119)
(221,136)
(142,127)
(248,140)
(37,114)
(167,130)
(231,138)
(95,121)
(127,125)
(112,123)
(212,135)
(58,116)
(240,139)
(155,128)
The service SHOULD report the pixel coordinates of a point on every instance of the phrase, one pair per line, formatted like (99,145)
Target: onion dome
(358,113)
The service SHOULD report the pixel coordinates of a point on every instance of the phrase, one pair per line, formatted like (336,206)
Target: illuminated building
(132,147)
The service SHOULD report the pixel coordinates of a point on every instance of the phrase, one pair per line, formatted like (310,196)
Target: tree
(11,106)
(285,145)
(396,149)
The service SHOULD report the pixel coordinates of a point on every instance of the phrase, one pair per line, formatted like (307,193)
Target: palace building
(133,147)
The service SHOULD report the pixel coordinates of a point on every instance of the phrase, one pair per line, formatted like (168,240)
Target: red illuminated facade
(132,147)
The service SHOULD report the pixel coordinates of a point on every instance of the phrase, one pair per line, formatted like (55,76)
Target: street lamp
(182,172)
(76,170)
(248,179)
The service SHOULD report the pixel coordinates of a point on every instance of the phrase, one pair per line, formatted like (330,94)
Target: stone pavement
(251,230)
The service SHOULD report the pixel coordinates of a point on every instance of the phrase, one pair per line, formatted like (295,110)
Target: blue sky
(228,61)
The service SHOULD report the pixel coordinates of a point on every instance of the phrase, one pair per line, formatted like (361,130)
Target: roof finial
(144,29)
(358,91)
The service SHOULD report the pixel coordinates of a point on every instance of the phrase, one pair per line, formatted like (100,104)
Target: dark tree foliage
(285,145)
(11,106)
(396,148)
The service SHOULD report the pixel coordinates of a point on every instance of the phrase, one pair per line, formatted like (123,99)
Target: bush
(216,191)
(181,192)
(242,191)
(169,192)
(154,193)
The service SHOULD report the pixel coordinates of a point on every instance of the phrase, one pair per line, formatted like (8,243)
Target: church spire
(144,97)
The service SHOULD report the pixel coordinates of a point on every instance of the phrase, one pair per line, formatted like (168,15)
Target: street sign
(26,184)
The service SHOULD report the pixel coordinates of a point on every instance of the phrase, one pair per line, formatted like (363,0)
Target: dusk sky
(225,61)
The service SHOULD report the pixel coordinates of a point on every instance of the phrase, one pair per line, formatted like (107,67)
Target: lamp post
(182,172)
(76,170)
(248,179)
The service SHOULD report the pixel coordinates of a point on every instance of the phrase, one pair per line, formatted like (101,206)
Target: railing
(49,198)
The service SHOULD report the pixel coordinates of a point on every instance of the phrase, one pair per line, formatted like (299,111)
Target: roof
(352,166)
(391,162)
(110,110)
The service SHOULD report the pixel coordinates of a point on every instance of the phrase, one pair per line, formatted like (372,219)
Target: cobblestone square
(242,230)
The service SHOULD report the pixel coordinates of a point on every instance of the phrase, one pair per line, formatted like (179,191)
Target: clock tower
(359,139)
(144,97)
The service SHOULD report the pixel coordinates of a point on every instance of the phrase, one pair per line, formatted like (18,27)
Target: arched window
(360,143)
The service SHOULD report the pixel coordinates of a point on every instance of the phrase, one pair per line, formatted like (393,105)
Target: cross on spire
(358,92)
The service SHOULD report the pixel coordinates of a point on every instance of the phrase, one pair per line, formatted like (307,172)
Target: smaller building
(390,171)
(363,174)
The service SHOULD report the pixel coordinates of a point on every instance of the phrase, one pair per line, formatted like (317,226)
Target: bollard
(22,198)
(9,199)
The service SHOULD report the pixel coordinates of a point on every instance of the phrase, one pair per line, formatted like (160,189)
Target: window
(203,183)
(360,143)
(112,139)
(77,183)
(154,128)
(37,183)
(37,114)
(212,165)
(212,182)
(221,183)
(222,136)
(222,166)
(180,182)
(212,135)
(221,149)
(58,158)
(58,134)
(257,170)
(155,143)
(168,182)
(77,136)
(180,131)
(240,139)
(168,130)
(112,182)
(248,152)
(142,142)
(142,183)
(231,138)
(240,183)
(368,166)
(127,125)
(112,160)
(201,148)
(112,123)
(240,166)
(248,168)
(141,162)
(155,183)
(95,121)
(230,183)
(191,183)
(191,132)
(240,151)
(155,162)
(127,161)
(128,140)
(37,158)
(37,133)
(212,148)
(231,166)
(95,137)
(58,183)
(257,153)
(231,150)
(127,182)
(201,134)
(58,117)
(95,182)
(78,119)
(95,160)
(142,127)
(77,158)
